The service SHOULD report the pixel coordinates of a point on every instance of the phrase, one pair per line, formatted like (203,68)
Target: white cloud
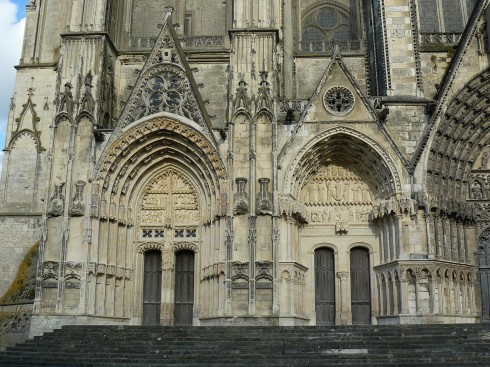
(11,35)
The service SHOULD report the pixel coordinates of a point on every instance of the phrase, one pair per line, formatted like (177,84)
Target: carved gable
(165,84)
(338,97)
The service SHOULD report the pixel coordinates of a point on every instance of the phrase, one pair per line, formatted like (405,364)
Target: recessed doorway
(184,288)
(324,287)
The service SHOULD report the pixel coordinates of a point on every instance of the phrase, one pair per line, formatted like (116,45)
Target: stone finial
(169,11)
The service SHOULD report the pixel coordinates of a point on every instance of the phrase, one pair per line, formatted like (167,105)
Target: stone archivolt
(458,143)
(346,148)
(148,146)
(158,126)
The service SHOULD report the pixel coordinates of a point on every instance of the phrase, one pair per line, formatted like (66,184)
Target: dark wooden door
(324,287)
(184,287)
(360,286)
(152,288)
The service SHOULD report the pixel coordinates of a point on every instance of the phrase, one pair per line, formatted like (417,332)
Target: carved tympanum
(169,200)
(336,195)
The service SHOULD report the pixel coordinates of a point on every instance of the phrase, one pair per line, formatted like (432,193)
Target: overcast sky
(12,21)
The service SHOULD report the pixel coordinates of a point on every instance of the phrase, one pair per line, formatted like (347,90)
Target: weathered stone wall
(309,71)
(15,322)
(19,234)
(214,77)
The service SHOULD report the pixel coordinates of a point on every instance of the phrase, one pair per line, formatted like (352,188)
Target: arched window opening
(330,24)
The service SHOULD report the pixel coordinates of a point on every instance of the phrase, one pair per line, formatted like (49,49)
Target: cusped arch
(409,274)
(185,246)
(149,246)
(25,134)
(286,275)
(364,155)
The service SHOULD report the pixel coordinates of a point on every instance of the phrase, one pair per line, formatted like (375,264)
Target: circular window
(339,101)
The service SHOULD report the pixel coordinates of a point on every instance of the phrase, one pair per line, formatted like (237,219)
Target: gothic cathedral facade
(251,162)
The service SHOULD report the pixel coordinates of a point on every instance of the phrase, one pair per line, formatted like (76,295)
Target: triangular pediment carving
(27,123)
(166,84)
(338,97)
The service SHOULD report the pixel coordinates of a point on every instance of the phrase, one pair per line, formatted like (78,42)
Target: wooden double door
(183,292)
(325,300)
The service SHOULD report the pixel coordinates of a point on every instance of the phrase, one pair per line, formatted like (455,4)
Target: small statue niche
(56,206)
(240,198)
(264,198)
(484,161)
(77,207)
(66,103)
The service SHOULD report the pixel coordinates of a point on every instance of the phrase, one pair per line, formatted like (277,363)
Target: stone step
(430,345)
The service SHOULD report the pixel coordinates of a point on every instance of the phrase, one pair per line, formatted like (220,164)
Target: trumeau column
(345,311)
(430,235)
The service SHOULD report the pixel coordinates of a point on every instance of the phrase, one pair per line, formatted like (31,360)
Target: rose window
(339,101)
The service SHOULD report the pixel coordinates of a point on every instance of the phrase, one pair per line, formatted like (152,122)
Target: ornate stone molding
(149,246)
(371,144)
(183,246)
(123,145)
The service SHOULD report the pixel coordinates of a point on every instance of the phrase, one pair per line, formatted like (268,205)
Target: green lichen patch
(23,287)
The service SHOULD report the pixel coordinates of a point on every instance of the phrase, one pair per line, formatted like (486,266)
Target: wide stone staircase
(415,345)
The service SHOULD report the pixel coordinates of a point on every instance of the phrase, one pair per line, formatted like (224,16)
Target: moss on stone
(23,287)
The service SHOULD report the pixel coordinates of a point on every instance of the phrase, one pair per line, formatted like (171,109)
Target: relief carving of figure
(487,188)
(240,198)
(323,191)
(484,161)
(264,197)
(56,205)
(77,207)
(66,103)
(476,191)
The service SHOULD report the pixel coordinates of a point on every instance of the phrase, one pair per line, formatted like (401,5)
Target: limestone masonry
(251,162)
